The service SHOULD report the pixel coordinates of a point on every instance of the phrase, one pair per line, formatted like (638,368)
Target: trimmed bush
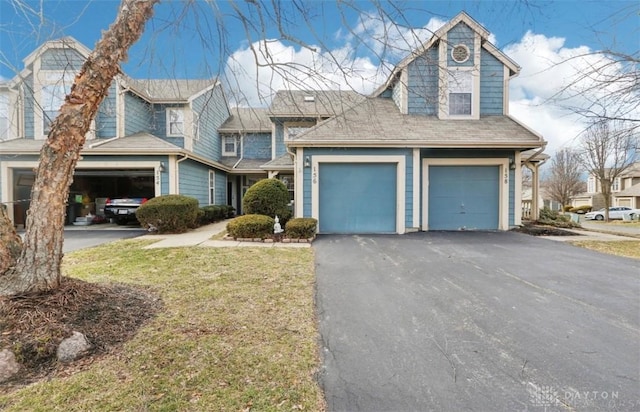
(301,228)
(215,213)
(251,226)
(268,197)
(581,209)
(567,208)
(169,214)
(553,218)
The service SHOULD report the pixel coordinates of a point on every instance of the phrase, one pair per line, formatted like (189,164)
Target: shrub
(215,213)
(581,209)
(268,197)
(251,226)
(169,214)
(301,228)
(567,208)
(553,218)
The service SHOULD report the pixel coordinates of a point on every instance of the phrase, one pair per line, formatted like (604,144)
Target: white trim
(416,188)
(443,79)
(475,77)
(505,91)
(298,179)
(401,171)
(404,94)
(173,179)
(224,145)
(517,200)
(503,212)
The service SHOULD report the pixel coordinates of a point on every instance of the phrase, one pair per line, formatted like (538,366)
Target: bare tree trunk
(38,267)
(10,242)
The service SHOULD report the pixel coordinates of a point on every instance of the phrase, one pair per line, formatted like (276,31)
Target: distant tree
(564,179)
(608,149)
(38,266)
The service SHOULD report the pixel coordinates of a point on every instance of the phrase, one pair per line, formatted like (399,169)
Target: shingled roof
(247,120)
(169,90)
(378,122)
(312,103)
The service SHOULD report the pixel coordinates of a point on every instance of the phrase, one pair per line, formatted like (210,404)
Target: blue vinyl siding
(409,170)
(257,146)
(279,140)
(61,59)
(221,188)
(423,84)
(194,181)
(357,198)
(137,115)
(29,107)
(464,197)
(491,85)
(460,34)
(106,117)
(212,110)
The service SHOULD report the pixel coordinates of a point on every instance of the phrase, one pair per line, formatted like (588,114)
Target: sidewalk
(589,235)
(202,237)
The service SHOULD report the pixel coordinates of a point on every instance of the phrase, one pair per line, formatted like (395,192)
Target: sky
(340,45)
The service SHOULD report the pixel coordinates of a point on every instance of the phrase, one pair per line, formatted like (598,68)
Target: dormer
(457,74)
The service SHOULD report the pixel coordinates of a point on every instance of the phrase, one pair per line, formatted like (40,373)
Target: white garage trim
(6,171)
(416,189)
(400,173)
(517,201)
(298,181)
(503,213)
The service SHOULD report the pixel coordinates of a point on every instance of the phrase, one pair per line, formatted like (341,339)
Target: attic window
(309,99)
(460,53)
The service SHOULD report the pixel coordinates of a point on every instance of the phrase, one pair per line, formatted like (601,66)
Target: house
(433,148)
(149,138)
(625,190)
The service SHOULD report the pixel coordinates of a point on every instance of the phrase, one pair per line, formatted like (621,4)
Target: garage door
(357,198)
(464,197)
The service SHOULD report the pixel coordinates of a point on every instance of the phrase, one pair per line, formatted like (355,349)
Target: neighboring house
(434,148)
(625,191)
(149,138)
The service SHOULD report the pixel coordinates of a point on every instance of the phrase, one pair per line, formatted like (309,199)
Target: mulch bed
(32,326)
(541,230)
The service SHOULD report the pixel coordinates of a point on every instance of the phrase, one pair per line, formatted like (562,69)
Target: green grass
(237,332)
(625,248)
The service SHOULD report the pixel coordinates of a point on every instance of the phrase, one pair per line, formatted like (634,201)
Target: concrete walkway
(202,237)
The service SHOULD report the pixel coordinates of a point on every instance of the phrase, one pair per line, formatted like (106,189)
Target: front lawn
(236,331)
(627,248)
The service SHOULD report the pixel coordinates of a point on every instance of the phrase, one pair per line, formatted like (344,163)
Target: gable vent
(460,53)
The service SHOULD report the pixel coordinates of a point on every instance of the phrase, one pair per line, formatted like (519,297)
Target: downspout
(241,150)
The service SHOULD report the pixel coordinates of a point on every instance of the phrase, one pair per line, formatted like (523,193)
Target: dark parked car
(123,210)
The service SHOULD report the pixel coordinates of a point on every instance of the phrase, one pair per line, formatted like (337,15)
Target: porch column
(535,188)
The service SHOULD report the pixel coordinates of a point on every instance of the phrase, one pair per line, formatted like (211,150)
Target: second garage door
(357,198)
(464,197)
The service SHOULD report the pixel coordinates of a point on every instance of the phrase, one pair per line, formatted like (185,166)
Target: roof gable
(464,18)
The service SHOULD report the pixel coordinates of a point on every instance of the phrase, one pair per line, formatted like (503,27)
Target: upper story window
(212,187)
(615,186)
(460,92)
(229,146)
(591,184)
(175,122)
(52,99)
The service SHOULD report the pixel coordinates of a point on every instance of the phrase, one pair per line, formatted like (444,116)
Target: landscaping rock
(73,348)
(9,366)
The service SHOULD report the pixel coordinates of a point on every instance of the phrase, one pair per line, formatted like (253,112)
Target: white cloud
(254,73)
(554,77)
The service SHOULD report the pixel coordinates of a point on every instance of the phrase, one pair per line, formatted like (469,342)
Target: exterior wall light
(307,162)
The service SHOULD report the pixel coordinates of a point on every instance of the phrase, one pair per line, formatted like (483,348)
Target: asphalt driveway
(476,321)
